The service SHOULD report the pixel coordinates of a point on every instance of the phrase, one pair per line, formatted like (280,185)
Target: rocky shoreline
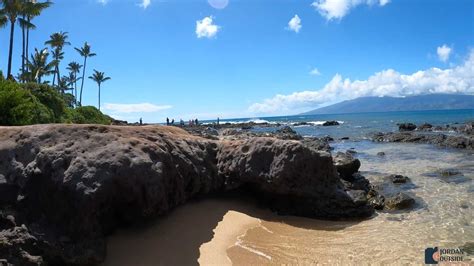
(64,188)
(459,137)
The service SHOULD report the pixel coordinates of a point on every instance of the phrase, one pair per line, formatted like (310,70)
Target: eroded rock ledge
(68,186)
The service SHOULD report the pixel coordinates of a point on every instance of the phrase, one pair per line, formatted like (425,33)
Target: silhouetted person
(196,122)
(141,121)
(167,121)
(172,121)
(218,120)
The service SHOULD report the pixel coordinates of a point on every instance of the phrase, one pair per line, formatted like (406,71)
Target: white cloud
(337,9)
(315,72)
(295,24)
(103,2)
(458,79)
(145,3)
(444,52)
(135,108)
(218,4)
(206,28)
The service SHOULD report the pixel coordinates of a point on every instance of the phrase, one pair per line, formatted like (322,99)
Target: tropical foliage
(32,103)
(33,100)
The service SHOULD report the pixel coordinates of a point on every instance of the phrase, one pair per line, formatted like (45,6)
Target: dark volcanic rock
(77,183)
(330,123)
(400,201)
(381,154)
(317,144)
(406,127)
(287,132)
(346,165)
(8,191)
(425,126)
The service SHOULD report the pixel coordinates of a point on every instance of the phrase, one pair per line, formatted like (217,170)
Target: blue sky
(243,58)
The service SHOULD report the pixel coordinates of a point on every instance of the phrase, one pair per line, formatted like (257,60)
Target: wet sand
(184,236)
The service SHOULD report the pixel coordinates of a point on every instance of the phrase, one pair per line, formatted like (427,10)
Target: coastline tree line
(40,92)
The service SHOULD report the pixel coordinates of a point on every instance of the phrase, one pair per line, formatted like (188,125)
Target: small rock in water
(400,201)
(398,179)
(345,138)
(407,127)
(381,153)
(330,123)
(352,151)
(448,172)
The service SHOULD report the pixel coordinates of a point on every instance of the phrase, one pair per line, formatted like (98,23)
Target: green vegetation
(32,100)
(31,103)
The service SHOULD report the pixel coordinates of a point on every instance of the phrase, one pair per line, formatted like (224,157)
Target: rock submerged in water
(78,183)
(400,201)
(398,179)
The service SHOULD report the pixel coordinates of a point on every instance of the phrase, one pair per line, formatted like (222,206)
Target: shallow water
(231,231)
(444,217)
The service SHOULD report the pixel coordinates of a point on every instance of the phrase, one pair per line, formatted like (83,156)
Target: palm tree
(74,69)
(99,78)
(31,9)
(57,41)
(85,52)
(12,9)
(39,66)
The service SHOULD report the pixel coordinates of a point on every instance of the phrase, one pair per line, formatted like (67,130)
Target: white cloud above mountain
(444,52)
(337,9)
(457,79)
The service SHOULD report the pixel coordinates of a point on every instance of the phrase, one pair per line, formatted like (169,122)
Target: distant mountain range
(392,104)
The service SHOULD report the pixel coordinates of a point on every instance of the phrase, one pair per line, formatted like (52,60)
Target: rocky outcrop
(458,141)
(75,184)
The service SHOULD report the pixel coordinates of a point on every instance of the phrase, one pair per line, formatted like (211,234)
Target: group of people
(192,122)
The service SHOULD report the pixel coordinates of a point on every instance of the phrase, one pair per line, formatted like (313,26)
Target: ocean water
(358,125)
(238,232)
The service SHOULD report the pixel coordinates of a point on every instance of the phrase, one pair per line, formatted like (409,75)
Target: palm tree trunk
(99,96)
(82,81)
(23,52)
(75,89)
(10,52)
(27,44)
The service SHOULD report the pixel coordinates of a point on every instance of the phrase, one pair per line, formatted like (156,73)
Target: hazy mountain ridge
(391,104)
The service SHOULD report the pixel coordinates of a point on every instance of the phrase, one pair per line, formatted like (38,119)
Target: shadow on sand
(175,239)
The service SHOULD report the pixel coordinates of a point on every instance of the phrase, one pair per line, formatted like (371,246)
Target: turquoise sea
(358,125)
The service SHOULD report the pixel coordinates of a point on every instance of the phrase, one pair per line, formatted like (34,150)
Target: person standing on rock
(141,121)
(167,121)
